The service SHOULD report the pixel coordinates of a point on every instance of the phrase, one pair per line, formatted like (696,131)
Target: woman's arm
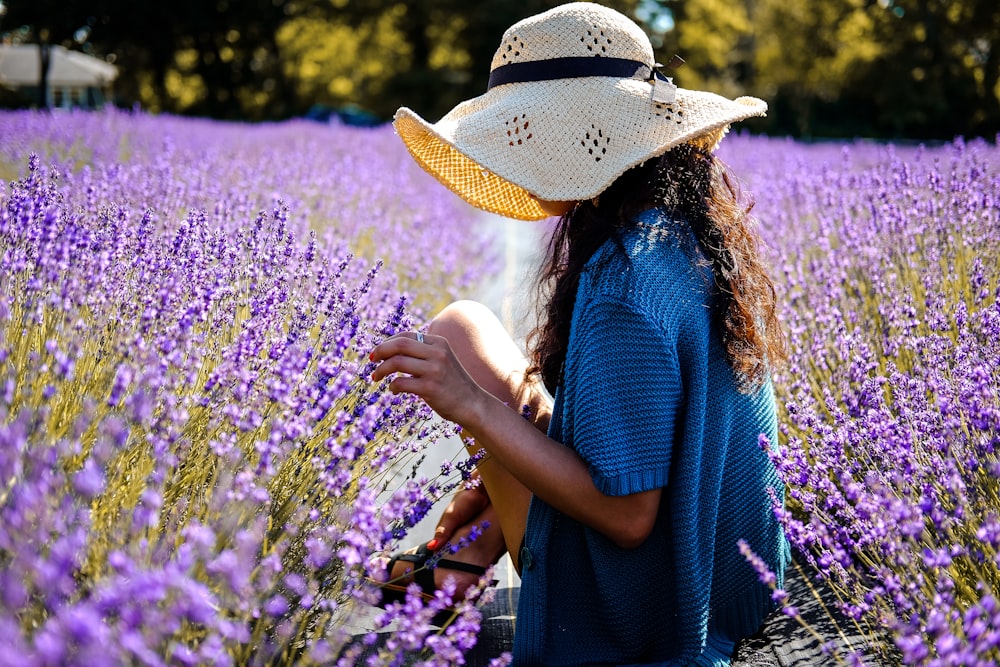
(553,472)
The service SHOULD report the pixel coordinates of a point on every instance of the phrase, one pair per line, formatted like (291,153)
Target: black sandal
(424,577)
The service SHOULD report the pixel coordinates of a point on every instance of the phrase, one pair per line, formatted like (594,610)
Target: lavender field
(888,265)
(194,467)
(196,470)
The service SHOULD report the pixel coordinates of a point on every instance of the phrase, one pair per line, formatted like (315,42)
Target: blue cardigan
(649,400)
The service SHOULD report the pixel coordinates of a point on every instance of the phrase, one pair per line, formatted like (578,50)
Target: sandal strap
(423,554)
(461,567)
(424,577)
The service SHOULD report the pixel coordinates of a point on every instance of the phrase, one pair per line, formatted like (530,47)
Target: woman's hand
(554,473)
(464,507)
(426,366)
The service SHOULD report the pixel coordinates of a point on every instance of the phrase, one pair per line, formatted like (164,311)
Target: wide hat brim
(564,140)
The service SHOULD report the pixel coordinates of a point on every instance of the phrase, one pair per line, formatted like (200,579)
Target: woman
(620,502)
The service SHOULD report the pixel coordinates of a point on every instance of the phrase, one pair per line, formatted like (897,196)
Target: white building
(75,79)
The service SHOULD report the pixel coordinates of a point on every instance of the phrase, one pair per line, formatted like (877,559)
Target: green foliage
(335,64)
(893,68)
(449,44)
(712,36)
(927,69)
(808,66)
(941,69)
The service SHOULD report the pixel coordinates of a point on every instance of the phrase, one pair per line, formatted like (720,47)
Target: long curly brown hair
(691,184)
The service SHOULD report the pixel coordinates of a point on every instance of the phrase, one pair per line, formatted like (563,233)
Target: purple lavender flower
(186,419)
(886,263)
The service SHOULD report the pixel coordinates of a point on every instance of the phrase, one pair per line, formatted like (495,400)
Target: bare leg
(484,550)
(492,358)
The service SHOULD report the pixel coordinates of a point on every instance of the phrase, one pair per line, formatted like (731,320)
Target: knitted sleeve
(623,377)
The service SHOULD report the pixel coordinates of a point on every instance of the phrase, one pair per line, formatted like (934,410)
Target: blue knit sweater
(649,400)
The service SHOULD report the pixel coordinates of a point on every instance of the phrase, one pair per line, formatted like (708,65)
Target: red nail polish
(371,356)
(433,544)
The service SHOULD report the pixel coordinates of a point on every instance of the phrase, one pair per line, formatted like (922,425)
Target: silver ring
(420,337)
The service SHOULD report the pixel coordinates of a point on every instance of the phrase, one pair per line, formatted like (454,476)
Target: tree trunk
(44,61)
(991,77)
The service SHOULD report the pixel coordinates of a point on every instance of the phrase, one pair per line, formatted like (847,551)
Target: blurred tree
(917,69)
(715,39)
(808,57)
(898,68)
(337,60)
(218,58)
(445,47)
(940,69)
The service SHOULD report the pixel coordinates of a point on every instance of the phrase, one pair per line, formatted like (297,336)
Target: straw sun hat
(575,99)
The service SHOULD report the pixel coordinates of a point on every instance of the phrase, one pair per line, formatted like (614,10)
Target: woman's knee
(474,332)
(465,318)
(483,346)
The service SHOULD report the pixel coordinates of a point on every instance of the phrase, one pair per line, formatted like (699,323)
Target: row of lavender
(888,264)
(191,459)
(194,467)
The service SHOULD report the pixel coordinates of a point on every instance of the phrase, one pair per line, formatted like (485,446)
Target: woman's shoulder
(653,267)
(654,234)
(656,250)
(660,235)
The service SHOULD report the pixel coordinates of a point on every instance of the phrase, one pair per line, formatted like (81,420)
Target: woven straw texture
(566,139)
